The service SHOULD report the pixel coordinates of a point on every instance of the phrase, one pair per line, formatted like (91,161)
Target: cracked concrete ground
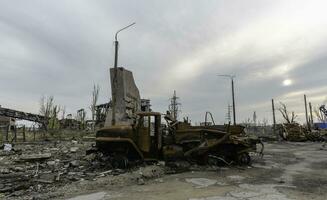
(287,171)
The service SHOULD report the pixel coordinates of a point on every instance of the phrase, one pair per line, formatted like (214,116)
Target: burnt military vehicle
(131,135)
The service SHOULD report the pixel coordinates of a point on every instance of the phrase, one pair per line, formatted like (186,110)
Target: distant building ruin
(6,121)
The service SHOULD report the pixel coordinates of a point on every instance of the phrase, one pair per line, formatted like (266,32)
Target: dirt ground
(286,171)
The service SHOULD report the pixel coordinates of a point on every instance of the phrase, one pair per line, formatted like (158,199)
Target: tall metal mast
(174,106)
(233,94)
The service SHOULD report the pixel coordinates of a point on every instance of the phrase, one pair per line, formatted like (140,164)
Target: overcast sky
(276,49)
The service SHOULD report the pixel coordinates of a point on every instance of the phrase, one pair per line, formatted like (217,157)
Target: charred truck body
(133,135)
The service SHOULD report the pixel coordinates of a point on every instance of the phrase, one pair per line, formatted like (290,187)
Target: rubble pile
(316,135)
(39,167)
(32,169)
(297,133)
(293,132)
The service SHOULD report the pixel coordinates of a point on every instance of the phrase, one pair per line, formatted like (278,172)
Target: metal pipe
(123,29)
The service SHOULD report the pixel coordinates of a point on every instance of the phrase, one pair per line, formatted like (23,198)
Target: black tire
(119,162)
(243,159)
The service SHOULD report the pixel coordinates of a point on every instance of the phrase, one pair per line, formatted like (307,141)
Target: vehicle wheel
(120,162)
(243,159)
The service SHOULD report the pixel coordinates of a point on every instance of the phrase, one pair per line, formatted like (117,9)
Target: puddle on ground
(96,196)
(235,178)
(201,182)
(215,198)
(93,196)
(264,191)
(251,192)
(267,165)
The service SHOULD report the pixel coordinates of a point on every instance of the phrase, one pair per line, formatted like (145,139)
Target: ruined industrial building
(241,113)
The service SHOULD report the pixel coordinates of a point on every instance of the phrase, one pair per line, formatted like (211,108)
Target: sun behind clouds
(287,82)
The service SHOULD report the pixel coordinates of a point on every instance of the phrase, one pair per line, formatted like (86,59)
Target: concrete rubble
(30,169)
(33,167)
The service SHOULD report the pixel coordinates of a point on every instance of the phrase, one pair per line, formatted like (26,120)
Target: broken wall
(128,99)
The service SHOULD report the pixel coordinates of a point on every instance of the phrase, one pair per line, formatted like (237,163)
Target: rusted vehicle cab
(137,142)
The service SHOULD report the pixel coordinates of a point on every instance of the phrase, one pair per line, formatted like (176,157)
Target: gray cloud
(63,47)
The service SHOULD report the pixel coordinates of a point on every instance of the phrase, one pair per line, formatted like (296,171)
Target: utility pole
(114,86)
(311,118)
(274,118)
(174,106)
(228,115)
(233,95)
(306,111)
